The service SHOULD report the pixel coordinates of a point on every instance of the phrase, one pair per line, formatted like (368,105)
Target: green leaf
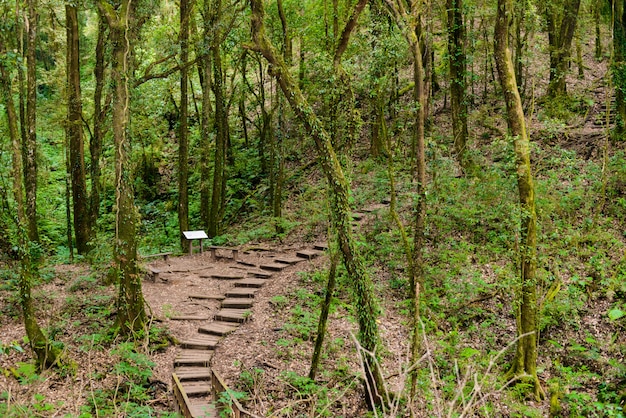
(615,314)
(468,352)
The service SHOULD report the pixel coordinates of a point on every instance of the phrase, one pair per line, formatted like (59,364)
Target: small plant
(279,301)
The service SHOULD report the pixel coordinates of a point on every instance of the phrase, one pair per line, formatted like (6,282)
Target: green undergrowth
(83,330)
(471,274)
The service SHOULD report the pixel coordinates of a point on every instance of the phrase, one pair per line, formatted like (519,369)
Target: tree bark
(29,156)
(204,69)
(409,21)
(99,115)
(525,362)
(367,309)
(80,199)
(183,136)
(221,138)
(561,27)
(131,315)
(619,65)
(322,324)
(287,41)
(45,353)
(458,80)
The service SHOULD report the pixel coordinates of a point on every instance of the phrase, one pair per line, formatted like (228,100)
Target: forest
(459,167)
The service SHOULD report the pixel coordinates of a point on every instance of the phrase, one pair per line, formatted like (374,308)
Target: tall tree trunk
(525,362)
(598,41)
(204,73)
(45,353)
(99,116)
(213,17)
(409,22)
(29,156)
(619,64)
(221,141)
(287,47)
(365,302)
(561,28)
(131,315)
(183,137)
(458,80)
(82,228)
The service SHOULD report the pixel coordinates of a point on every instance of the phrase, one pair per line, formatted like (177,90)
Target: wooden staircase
(195,385)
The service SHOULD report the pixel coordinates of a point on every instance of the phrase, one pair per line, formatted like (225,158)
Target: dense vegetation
(493,133)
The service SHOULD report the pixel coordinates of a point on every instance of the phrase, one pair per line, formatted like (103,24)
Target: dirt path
(202,299)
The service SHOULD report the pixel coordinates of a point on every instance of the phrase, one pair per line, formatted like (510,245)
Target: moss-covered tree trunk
(45,353)
(29,157)
(131,315)
(409,22)
(323,320)
(80,198)
(561,21)
(221,124)
(458,80)
(221,141)
(619,64)
(183,134)
(204,70)
(525,361)
(365,302)
(100,111)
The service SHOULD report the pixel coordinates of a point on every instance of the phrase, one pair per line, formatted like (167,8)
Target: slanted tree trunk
(80,199)
(525,361)
(45,353)
(322,323)
(29,156)
(561,22)
(183,136)
(458,80)
(131,315)
(365,302)
(619,64)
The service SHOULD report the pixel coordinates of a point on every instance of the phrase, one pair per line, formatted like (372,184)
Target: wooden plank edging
(181,404)
(217,387)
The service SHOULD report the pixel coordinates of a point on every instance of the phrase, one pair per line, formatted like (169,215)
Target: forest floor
(468,304)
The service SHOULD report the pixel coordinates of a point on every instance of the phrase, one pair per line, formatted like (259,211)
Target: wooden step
(308,254)
(196,388)
(227,276)
(237,303)
(193,358)
(250,283)
(261,274)
(203,410)
(189,318)
(273,266)
(218,328)
(202,342)
(320,247)
(213,296)
(246,263)
(233,315)
(288,260)
(193,374)
(241,292)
